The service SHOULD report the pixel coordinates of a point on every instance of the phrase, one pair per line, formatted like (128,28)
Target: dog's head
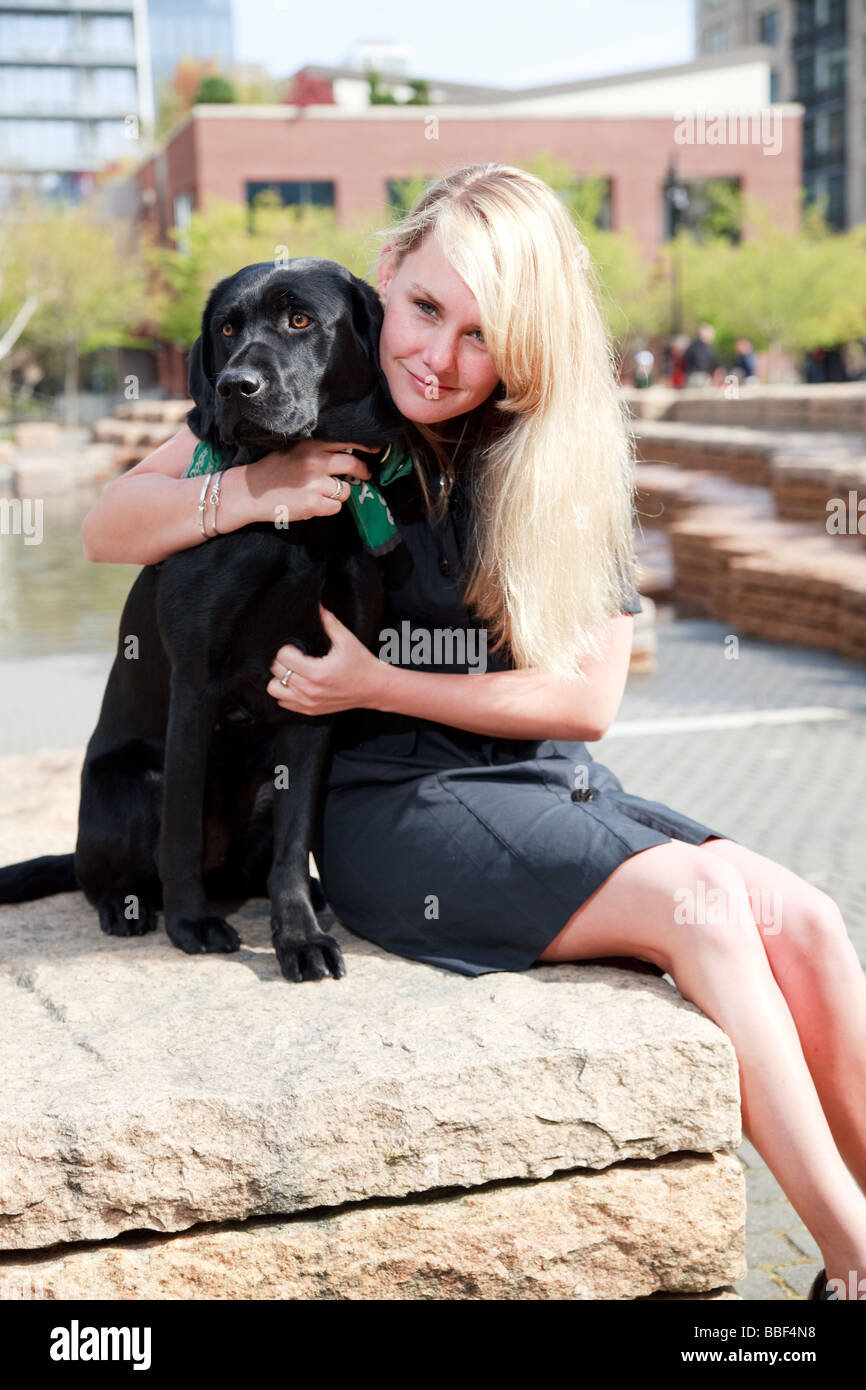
(290,352)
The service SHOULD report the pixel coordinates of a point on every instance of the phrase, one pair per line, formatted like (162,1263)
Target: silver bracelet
(201,505)
(214,500)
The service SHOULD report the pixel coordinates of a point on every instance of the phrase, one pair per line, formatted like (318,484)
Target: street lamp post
(677,197)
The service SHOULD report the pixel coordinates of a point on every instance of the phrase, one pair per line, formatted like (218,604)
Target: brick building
(713,117)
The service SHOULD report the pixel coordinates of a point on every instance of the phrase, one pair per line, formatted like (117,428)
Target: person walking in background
(745,363)
(674,367)
(643,368)
(700,360)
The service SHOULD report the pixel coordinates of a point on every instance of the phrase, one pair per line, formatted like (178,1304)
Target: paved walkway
(789,786)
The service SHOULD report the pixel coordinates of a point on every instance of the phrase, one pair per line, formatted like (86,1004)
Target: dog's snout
(240,382)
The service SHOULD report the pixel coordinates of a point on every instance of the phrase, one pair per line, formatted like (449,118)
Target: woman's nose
(440,357)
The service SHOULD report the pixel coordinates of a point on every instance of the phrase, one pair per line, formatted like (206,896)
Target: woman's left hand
(348,677)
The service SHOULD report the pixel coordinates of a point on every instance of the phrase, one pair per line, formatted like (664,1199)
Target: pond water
(52,598)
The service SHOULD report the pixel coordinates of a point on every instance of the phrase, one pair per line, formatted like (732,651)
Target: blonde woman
(466,824)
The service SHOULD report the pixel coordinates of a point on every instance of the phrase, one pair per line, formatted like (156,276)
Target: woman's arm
(525,704)
(151,511)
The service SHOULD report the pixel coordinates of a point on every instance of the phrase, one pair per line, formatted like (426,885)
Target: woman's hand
(348,677)
(297,483)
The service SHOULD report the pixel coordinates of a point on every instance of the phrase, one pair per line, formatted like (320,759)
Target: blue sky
(511,43)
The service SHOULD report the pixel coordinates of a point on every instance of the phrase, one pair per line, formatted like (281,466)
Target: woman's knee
(664,904)
(814,927)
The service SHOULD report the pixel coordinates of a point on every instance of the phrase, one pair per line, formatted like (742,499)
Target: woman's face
(430,348)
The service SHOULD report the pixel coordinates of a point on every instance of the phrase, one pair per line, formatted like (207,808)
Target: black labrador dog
(197,787)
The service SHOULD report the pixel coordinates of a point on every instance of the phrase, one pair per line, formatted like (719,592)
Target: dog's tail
(38,878)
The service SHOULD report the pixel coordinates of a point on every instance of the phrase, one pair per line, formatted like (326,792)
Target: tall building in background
(75,91)
(189,29)
(818,59)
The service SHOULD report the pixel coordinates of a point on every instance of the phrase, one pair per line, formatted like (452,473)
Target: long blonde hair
(552,482)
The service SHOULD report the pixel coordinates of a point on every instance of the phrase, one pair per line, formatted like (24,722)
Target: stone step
(835,406)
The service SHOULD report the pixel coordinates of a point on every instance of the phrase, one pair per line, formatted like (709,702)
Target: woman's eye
(227,330)
(299,320)
(424,305)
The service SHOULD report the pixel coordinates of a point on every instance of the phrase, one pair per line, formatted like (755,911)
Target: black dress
(454,848)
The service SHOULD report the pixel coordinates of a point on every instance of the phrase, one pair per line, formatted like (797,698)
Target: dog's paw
(318,959)
(195,935)
(127,915)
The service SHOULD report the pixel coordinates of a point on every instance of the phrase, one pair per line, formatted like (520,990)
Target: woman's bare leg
(723,968)
(816,967)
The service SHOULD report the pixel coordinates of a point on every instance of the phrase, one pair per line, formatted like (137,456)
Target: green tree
(786,289)
(224,238)
(78,287)
(214,89)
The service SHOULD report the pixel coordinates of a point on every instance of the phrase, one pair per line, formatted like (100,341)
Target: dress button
(581,794)
(444,567)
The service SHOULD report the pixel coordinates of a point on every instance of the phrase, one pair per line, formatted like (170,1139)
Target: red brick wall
(215,156)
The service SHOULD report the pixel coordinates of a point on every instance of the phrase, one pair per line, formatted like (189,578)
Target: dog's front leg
(304,951)
(189,922)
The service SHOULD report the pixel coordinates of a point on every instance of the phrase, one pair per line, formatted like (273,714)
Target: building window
(295,194)
(806,78)
(704,207)
(836,200)
(401,195)
(115,88)
(111,140)
(38,35)
(39,144)
(805,20)
(836,135)
(717,39)
(829,189)
(830,64)
(109,34)
(25,89)
(774,85)
(768,27)
(809,138)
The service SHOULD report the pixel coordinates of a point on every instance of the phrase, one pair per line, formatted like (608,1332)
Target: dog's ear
(367,316)
(201,418)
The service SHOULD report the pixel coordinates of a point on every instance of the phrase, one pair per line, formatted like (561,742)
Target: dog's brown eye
(299,320)
(227,330)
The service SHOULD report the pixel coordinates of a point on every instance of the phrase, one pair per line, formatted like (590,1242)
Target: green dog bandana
(369,509)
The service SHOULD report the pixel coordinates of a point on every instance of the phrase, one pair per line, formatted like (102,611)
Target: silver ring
(284,680)
(339,489)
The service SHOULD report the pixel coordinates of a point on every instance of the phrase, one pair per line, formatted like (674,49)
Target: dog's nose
(240,381)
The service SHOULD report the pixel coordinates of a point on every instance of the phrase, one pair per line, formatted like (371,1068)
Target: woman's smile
(428,383)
